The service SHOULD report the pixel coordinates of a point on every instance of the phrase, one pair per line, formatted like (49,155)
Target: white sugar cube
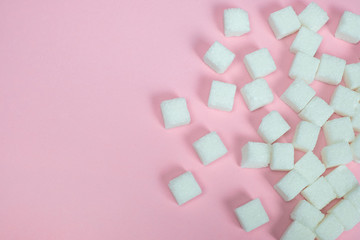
(306,214)
(342,180)
(257,94)
(345,101)
(313,17)
(306,41)
(319,194)
(355,147)
(291,185)
(339,130)
(222,96)
(298,231)
(352,75)
(255,155)
(310,167)
(317,111)
(284,22)
(306,136)
(209,148)
(349,27)
(272,127)
(297,95)
(259,63)
(236,22)
(336,154)
(251,215)
(175,112)
(329,229)
(218,57)
(304,67)
(354,197)
(184,188)
(346,213)
(331,69)
(282,157)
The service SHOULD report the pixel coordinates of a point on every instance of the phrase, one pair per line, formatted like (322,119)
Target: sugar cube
(255,155)
(297,231)
(209,148)
(218,57)
(354,197)
(320,193)
(236,22)
(222,96)
(257,94)
(306,214)
(349,27)
(342,180)
(355,147)
(313,17)
(284,22)
(346,213)
(306,136)
(291,185)
(329,229)
(352,75)
(304,67)
(317,111)
(345,101)
(331,69)
(336,154)
(272,127)
(259,63)
(184,188)
(175,112)
(306,41)
(338,130)
(310,167)
(251,215)
(297,95)
(282,157)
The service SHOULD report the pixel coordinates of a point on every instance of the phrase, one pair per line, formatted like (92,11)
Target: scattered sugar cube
(297,231)
(218,57)
(336,154)
(222,96)
(339,130)
(291,185)
(175,112)
(354,197)
(282,158)
(257,94)
(342,180)
(184,188)
(251,215)
(272,127)
(349,27)
(313,17)
(310,167)
(255,155)
(355,147)
(346,213)
(317,111)
(306,136)
(209,148)
(345,101)
(236,22)
(320,193)
(331,69)
(259,63)
(297,95)
(306,41)
(284,22)
(329,229)
(304,67)
(352,75)
(306,214)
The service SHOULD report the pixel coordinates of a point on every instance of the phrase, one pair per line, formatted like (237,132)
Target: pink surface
(84,154)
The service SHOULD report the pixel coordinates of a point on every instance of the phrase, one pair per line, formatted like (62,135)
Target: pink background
(84,154)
